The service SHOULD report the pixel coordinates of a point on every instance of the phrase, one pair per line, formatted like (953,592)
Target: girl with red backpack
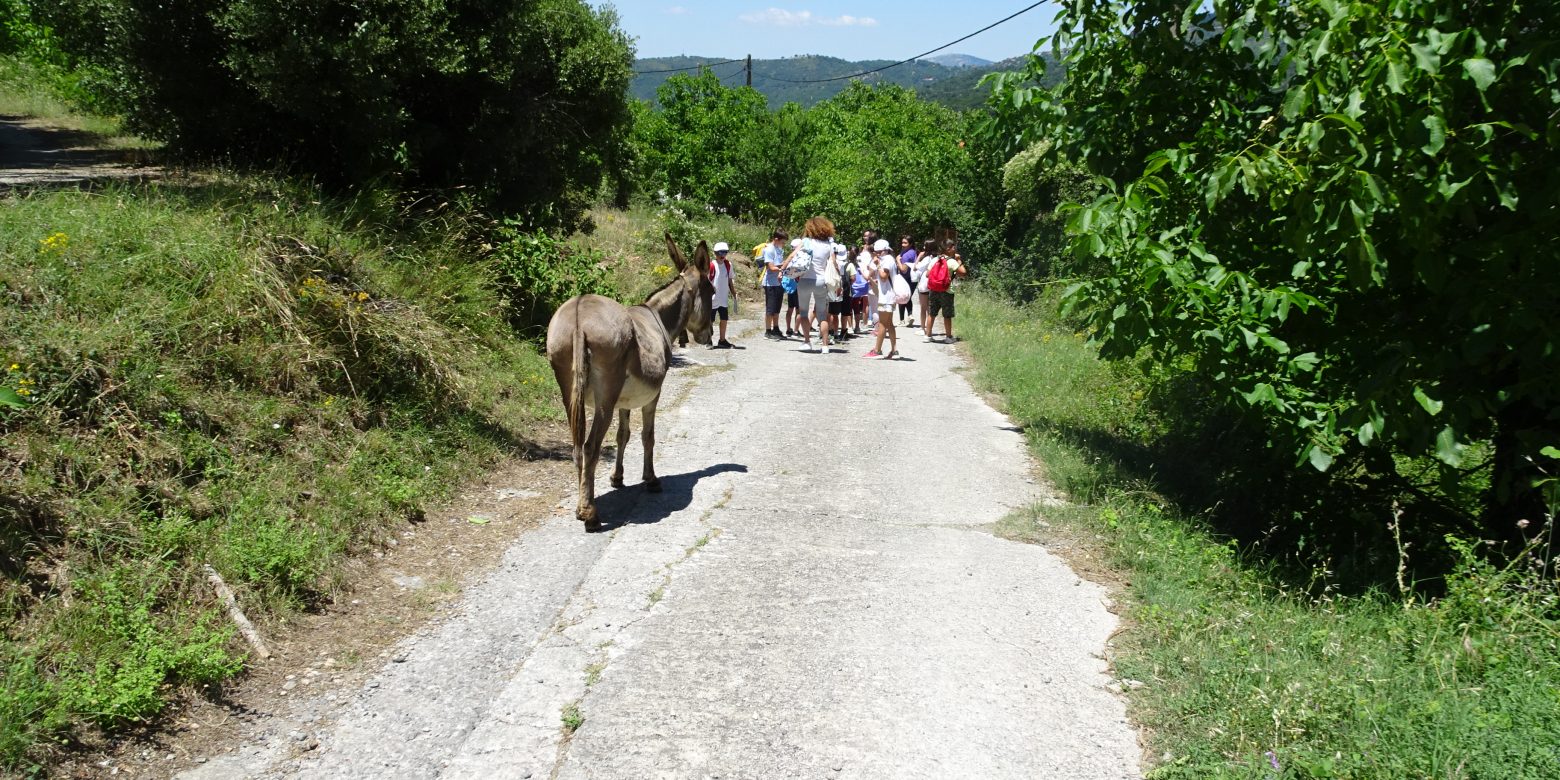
(941,274)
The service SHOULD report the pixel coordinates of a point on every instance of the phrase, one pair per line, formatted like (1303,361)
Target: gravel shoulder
(816,593)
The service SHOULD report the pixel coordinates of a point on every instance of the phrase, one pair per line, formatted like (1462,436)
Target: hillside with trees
(786,80)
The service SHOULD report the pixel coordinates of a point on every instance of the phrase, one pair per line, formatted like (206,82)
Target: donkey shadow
(633,505)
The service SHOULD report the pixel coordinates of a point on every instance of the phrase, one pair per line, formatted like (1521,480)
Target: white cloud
(778,17)
(675,10)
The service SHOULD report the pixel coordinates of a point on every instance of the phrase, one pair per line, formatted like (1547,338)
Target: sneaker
(789,333)
(724,344)
(871,353)
(807,347)
(891,355)
(824,349)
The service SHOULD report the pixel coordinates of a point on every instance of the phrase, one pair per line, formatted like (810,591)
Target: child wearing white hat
(725,286)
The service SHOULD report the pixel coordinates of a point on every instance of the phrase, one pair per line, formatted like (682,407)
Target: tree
(773,158)
(519,100)
(882,159)
(695,142)
(1342,213)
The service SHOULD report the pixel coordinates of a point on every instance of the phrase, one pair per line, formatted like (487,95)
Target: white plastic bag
(901,290)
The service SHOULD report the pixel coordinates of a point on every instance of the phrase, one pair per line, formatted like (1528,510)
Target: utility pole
(750,70)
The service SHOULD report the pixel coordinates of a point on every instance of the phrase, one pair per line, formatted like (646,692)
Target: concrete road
(33,153)
(815,594)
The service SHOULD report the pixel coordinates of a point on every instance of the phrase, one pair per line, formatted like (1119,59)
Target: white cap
(796,242)
(839,249)
(880,245)
(720,246)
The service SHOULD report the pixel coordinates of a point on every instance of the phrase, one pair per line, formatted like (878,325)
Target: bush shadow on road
(633,505)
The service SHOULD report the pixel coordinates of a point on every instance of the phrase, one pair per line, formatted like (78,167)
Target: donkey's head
(697,289)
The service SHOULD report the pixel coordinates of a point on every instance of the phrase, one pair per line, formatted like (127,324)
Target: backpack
(799,264)
(938,279)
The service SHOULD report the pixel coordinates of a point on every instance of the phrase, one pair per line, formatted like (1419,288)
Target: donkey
(613,357)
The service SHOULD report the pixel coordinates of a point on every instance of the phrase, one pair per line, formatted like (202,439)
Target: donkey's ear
(677,255)
(701,258)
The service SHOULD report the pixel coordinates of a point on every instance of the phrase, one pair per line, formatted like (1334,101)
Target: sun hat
(720,246)
(880,245)
(796,242)
(839,249)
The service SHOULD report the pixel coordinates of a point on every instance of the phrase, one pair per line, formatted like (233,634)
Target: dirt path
(36,154)
(814,595)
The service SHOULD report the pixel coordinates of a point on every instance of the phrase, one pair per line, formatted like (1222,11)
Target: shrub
(538,272)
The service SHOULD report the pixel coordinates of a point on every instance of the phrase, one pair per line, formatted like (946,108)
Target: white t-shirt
(870,266)
(822,252)
(919,274)
(721,279)
(885,285)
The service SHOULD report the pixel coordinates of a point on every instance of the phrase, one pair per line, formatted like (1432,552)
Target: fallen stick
(244,626)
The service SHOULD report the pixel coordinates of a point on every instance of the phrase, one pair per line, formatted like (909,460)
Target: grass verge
(240,371)
(38,91)
(1245,675)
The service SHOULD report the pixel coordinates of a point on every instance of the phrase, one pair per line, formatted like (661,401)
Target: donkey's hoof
(653,486)
(587,515)
(617,482)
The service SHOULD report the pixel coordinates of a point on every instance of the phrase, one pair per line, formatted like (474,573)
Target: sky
(848,29)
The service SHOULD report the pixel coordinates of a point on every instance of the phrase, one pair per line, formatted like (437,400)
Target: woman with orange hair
(811,292)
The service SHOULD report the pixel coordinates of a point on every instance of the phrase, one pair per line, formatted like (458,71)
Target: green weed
(572,717)
(1247,675)
(238,371)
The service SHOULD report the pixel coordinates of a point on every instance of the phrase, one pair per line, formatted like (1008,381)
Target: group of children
(837,290)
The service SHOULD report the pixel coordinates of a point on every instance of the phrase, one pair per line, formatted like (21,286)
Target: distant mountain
(959,60)
(809,79)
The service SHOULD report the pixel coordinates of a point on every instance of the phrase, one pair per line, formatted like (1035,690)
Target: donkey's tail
(577,396)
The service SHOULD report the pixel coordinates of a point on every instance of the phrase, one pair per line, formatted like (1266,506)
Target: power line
(690,67)
(732,74)
(910,59)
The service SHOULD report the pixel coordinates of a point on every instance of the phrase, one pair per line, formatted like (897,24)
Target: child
(860,282)
(725,286)
(839,297)
(788,285)
(884,267)
(771,258)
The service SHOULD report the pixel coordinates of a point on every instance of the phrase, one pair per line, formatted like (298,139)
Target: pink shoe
(872,353)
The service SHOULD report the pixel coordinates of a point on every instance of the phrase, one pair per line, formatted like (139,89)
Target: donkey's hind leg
(647,438)
(622,444)
(600,421)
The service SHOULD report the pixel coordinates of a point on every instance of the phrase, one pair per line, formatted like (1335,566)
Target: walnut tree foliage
(1342,212)
(693,146)
(879,158)
(519,101)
